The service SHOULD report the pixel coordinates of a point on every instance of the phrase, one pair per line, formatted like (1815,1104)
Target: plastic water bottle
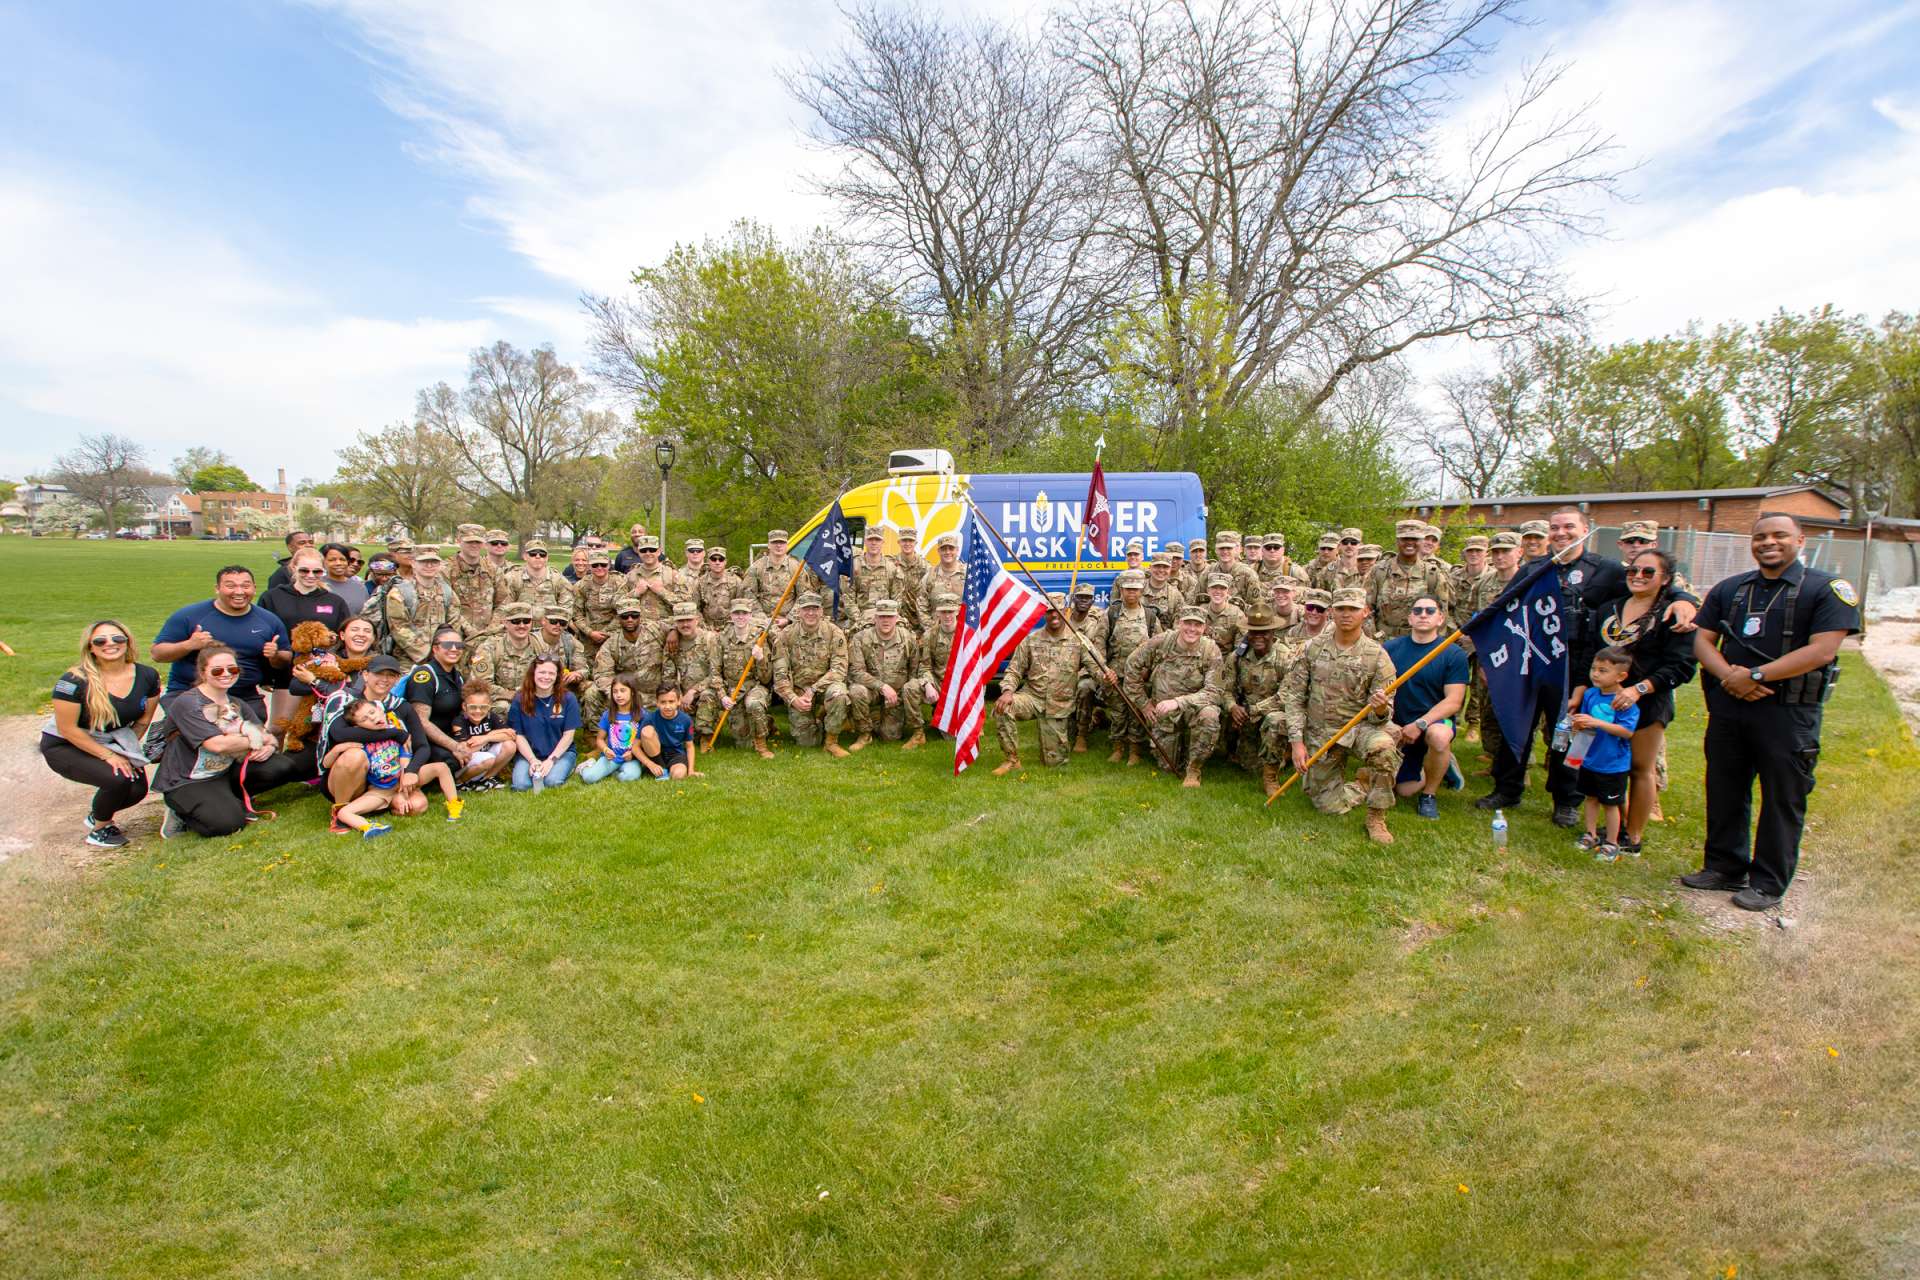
(539,783)
(1563,734)
(1499,829)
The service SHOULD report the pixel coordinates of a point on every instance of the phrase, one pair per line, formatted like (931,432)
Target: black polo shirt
(437,692)
(1752,616)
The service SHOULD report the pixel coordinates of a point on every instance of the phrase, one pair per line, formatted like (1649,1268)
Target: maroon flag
(1097,520)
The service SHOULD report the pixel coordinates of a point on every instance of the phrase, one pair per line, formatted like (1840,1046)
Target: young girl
(619,734)
(391,784)
(479,728)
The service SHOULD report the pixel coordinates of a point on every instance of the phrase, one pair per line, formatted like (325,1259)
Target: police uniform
(1777,738)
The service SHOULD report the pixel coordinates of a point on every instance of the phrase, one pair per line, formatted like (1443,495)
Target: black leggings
(212,806)
(113,792)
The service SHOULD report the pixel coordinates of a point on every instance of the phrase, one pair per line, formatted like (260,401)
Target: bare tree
(964,173)
(105,472)
(1289,159)
(1481,436)
(521,415)
(403,473)
(198,458)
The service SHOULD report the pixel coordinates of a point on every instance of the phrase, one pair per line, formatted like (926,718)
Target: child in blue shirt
(667,749)
(1608,756)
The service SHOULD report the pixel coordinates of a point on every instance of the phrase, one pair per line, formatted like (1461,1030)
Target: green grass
(850,1019)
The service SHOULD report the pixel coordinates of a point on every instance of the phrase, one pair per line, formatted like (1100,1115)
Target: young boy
(1609,757)
(371,728)
(667,750)
(487,733)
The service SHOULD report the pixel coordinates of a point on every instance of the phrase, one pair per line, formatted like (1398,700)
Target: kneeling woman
(545,718)
(213,737)
(101,707)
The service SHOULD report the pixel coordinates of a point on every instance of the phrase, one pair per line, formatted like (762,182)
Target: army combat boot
(1080,742)
(834,748)
(1270,779)
(1133,754)
(1193,774)
(761,748)
(1119,752)
(1377,827)
(860,742)
(1008,765)
(919,739)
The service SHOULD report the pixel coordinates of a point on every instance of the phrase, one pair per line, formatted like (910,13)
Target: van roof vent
(919,462)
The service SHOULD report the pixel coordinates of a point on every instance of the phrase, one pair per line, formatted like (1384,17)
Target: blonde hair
(100,712)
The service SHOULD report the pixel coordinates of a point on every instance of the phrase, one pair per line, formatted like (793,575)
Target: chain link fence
(1879,567)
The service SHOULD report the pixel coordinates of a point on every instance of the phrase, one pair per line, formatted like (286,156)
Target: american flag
(995,613)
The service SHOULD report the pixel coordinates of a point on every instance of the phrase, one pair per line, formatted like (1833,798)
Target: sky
(262,225)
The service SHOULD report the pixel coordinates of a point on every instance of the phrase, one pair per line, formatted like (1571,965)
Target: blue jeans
(600,767)
(523,777)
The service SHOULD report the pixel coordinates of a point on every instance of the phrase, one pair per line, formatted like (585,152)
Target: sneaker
(1588,840)
(104,835)
(1630,848)
(335,827)
(1428,807)
(1566,815)
(1455,780)
(663,776)
(171,825)
(1604,852)
(1712,880)
(1751,899)
(1497,801)
(454,807)
(91,821)
(375,830)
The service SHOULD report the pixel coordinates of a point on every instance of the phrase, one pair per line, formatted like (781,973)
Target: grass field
(824,1019)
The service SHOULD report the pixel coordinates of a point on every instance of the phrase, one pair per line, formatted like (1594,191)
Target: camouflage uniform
(935,647)
(751,719)
(714,597)
(866,588)
(1041,682)
(1164,668)
(1252,681)
(768,576)
(668,588)
(1393,587)
(638,655)
(1123,631)
(696,668)
(544,592)
(1225,624)
(1087,700)
(593,607)
(503,665)
(1322,691)
(813,661)
(913,576)
(481,593)
(874,660)
(941,579)
(411,630)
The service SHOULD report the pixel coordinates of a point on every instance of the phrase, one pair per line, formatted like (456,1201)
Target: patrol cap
(627,604)
(1084,589)
(715,553)
(1534,529)
(1286,583)
(886,608)
(1349,598)
(907,534)
(947,540)
(1227,538)
(400,544)
(1315,596)
(1263,620)
(776,535)
(470,533)
(1368,551)
(647,543)
(1643,530)
(517,611)
(1057,601)
(1478,542)
(381,664)
(696,544)
(499,535)
(685,609)
(1328,541)
(533,544)
(1430,531)
(1410,529)
(1276,540)
(1505,540)
(1191,614)
(427,554)
(559,611)
(598,556)
(875,533)
(743,604)
(1218,580)
(1130,578)
(1196,544)
(945,601)
(1352,535)
(1160,558)
(1174,551)
(808,600)
(1137,544)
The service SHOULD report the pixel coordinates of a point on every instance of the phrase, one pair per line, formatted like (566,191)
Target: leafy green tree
(220,477)
(403,473)
(1802,385)
(1896,417)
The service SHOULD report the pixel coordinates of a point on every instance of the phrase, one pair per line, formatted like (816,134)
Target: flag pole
(1085,645)
(1399,680)
(721,723)
(1080,534)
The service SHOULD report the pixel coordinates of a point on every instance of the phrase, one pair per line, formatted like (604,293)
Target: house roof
(1655,495)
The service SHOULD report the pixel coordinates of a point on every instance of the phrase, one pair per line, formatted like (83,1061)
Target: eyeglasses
(1648,571)
(1423,608)
(223,671)
(102,642)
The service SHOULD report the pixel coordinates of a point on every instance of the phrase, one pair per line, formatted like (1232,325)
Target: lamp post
(663,454)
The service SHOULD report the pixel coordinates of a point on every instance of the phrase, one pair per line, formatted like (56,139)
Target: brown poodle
(313,644)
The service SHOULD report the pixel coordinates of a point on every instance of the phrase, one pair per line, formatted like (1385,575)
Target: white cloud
(119,318)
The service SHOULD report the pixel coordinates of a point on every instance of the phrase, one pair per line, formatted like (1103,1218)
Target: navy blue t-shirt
(246,635)
(673,733)
(1412,699)
(549,721)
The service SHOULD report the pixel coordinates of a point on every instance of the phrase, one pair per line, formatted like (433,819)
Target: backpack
(375,609)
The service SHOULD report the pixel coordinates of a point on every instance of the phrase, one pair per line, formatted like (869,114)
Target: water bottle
(539,783)
(1563,734)
(1499,829)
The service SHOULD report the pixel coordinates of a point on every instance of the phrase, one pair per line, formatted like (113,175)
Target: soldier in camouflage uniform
(944,577)
(1430,548)
(1395,584)
(875,577)
(1041,682)
(692,560)
(410,627)
(1461,580)
(1346,570)
(1198,570)
(1126,625)
(1342,672)
(1226,621)
(476,583)
(923,691)
(1246,591)
(1177,557)
(1314,604)
(1167,679)
(654,583)
(1533,540)
(749,713)
(502,659)
(694,666)
(594,599)
(634,649)
(499,542)
(1285,605)
(1091,623)
(1160,595)
(810,675)
(1326,556)
(1365,561)
(913,574)
(556,639)
(532,583)
(1247,686)
(768,577)
(881,662)
(1504,554)
(715,588)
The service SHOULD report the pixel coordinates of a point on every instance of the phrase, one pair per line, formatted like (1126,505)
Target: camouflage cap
(1057,601)
(647,543)
(1263,620)
(743,604)
(627,604)
(1431,531)
(470,533)
(558,611)
(1174,551)
(1286,582)
(598,556)
(1328,541)
(1130,578)
(1410,529)
(696,544)
(1227,538)
(886,608)
(499,535)
(532,544)
(1534,529)
(1349,598)
(1084,589)
(1192,614)
(1478,542)
(1277,540)
(945,601)
(875,534)
(685,609)
(809,600)
(1315,596)
(1352,535)
(947,540)
(1368,551)
(1160,560)
(517,611)
(907,534)
(400,544)
(716,553)
(1196,544)
(428,554)
(1645,530)
(1137,544)
(1218,580)
(776,535)
(1505,540)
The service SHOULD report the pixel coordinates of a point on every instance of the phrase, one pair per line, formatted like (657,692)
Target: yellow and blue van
(1038,514)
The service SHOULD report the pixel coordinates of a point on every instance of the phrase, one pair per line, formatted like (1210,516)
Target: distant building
(221,514)
(1707,510)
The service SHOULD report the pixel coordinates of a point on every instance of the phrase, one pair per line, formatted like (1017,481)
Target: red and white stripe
(1007,611)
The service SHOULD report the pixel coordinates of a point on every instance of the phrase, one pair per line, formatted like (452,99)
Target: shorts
(1413,756)
(486,756)
(668,759)
(1610,789)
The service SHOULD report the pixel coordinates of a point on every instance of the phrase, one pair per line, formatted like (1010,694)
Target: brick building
(221,513)
(1705,510)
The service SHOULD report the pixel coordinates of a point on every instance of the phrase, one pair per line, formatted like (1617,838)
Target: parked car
(95,536)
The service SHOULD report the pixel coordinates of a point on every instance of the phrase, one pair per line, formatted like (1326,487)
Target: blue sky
(261,226)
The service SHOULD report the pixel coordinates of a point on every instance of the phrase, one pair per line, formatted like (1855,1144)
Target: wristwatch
(1757,675)
(1422,724)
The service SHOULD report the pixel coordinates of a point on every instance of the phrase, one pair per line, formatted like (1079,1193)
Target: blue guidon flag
(830,554)
(1520,640)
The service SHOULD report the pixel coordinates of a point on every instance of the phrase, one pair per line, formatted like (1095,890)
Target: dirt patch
(1892,647)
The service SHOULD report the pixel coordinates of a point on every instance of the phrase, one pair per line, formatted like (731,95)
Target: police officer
(1767,641)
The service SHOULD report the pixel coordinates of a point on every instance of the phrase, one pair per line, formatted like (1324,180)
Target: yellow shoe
(454,806)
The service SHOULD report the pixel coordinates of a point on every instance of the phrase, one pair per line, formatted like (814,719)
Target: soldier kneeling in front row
(1341,672)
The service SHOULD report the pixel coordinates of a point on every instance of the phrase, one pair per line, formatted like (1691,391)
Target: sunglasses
(597,564)
(1647,572)
(1349,542)
(1316,608)
(625,616)
(1423,608)
(223,671)
(102,642)
(534,555)
(519,622)
(495,544)
(308,573)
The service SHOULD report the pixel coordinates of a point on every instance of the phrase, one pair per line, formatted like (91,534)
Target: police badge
(1844,589)
(1752,628)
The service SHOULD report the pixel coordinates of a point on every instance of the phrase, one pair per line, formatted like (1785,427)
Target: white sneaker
(171,825)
